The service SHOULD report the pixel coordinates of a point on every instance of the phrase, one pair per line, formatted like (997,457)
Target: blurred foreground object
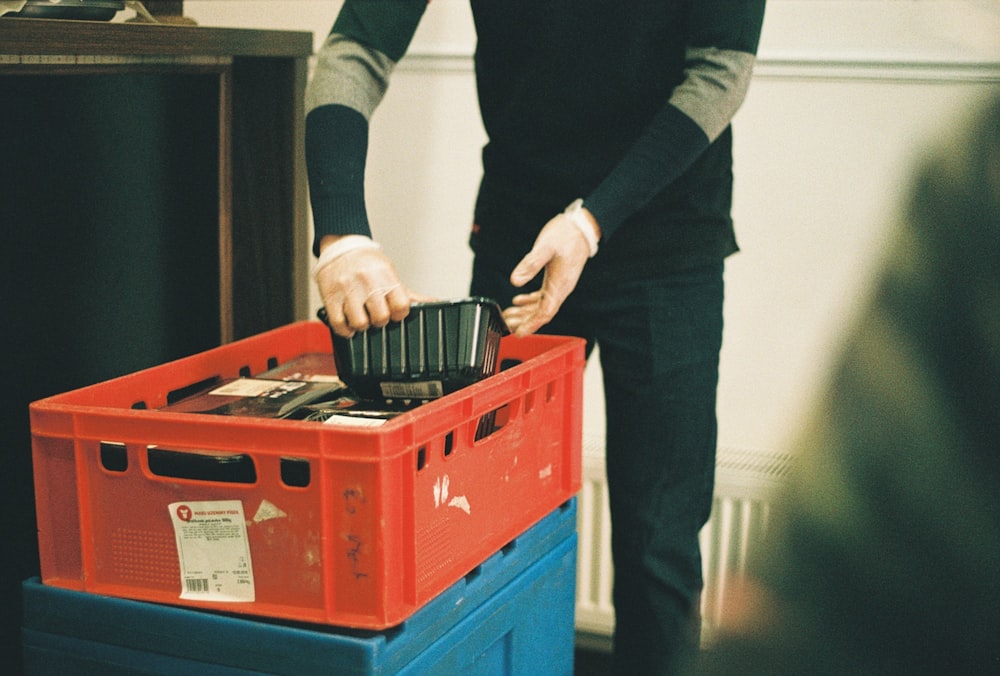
(886,557)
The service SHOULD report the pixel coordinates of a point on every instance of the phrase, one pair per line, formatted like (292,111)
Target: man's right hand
(359,287)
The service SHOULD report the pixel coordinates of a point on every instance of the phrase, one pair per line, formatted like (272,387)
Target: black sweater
(624,104)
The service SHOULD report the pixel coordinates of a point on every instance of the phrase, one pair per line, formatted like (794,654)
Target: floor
(593,655)
(591,662)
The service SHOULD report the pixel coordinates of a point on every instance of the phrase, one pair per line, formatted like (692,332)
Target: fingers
(397,301)
(377,308)
(521,321)
(532,311)
(527,298)
(352,313)
(348,314)
(518,314)
(361,289)
(531,264)
(561,252)
(336,318)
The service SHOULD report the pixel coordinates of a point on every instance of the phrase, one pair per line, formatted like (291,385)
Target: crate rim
(63,402)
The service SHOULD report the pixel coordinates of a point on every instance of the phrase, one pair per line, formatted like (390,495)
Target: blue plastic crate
(514,614)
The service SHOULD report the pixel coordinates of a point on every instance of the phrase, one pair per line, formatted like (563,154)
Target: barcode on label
(428,389)
(197,585)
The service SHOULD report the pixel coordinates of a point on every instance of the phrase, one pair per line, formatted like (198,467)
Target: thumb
(530,266)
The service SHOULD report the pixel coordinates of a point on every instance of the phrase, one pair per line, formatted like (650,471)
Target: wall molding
(881,70)
(775,67)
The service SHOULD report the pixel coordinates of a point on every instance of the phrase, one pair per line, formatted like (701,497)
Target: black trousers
(659,343)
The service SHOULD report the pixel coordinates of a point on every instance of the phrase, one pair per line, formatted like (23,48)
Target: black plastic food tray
(440,347)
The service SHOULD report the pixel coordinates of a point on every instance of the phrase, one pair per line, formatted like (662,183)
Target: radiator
(744,482)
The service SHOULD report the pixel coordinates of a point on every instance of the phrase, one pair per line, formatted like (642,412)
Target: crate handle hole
(235,468)
(508,548)
(550,391)
(272,363)
(245,371)
(295,472)
(139,406)
(492,422)
(114,457)
(421,458)
(449,443)
(471,576)
(509,363)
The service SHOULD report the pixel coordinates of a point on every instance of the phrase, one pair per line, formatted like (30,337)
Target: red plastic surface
(389,517)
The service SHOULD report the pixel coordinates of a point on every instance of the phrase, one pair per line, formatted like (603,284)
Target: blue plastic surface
(514,614)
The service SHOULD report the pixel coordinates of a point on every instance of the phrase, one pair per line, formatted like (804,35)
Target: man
(621,111)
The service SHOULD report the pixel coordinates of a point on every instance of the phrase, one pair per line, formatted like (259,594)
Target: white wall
(845,94)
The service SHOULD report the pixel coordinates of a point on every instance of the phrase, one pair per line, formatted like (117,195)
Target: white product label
(312,378)
(354,421)
(250,387)
(213,550)
(428,389)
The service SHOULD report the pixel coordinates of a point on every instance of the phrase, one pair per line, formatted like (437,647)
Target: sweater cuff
(669,145)
(336,150)
(339,215)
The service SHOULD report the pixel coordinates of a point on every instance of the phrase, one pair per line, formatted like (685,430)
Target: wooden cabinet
(208,120)
(152,205)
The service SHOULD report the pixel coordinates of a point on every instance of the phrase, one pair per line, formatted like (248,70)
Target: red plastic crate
(382,520)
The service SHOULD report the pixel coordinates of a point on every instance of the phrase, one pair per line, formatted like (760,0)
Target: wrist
(340,246)
(585,223)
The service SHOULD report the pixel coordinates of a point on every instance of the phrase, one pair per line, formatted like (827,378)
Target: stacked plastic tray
(512,614)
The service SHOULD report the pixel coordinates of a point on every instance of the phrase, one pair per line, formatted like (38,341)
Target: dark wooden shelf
(57,36)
